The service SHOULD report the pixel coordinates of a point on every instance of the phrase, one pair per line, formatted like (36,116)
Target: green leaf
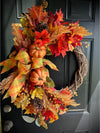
(49,82)
(48,51)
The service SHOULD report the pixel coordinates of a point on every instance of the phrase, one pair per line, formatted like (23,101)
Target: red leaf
(48,114)
(66,42)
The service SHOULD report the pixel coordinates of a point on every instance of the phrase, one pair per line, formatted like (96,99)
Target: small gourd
(37,51)
(38,76)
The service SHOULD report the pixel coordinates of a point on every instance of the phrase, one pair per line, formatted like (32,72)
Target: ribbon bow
(22,62)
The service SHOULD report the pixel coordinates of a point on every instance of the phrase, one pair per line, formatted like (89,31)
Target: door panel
(22,6)
(74,132)
(75,10)
(77,119)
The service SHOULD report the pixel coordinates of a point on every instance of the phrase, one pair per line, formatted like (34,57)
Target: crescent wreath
(29,85)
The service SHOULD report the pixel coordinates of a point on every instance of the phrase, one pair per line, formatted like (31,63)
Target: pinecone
(38,103)
(41,27)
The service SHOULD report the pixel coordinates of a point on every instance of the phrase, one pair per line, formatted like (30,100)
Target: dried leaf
(37,13)
(48,105)
(20,39)
(6,82)
(16,32)
(58,32)
(65,98)
(22,100)
(41,121)
(18,36)
(63,111)
(30,20)
(30,109)
(79,30)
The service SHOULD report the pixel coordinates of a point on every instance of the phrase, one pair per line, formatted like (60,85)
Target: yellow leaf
(33,94)
(41,121)
(63,111)
(6,95)
(55,117)
(38,92)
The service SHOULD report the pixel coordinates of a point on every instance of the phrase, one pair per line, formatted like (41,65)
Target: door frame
(0,69)
(94,104)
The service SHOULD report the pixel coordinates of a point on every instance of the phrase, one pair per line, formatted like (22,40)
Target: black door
(84,118)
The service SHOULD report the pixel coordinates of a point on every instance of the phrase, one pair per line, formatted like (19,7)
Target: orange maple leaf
(37,13)
(30,109)
(60,15)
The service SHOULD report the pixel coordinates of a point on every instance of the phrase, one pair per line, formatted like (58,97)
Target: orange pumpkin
(37,51)
(38,77)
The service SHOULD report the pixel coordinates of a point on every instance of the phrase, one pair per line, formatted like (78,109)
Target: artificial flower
(43,36)
(38,42)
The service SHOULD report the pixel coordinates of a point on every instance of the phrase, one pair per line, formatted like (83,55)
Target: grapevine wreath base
(29,84)
(82,70)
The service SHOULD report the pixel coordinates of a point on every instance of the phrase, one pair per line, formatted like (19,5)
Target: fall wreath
(29,85)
